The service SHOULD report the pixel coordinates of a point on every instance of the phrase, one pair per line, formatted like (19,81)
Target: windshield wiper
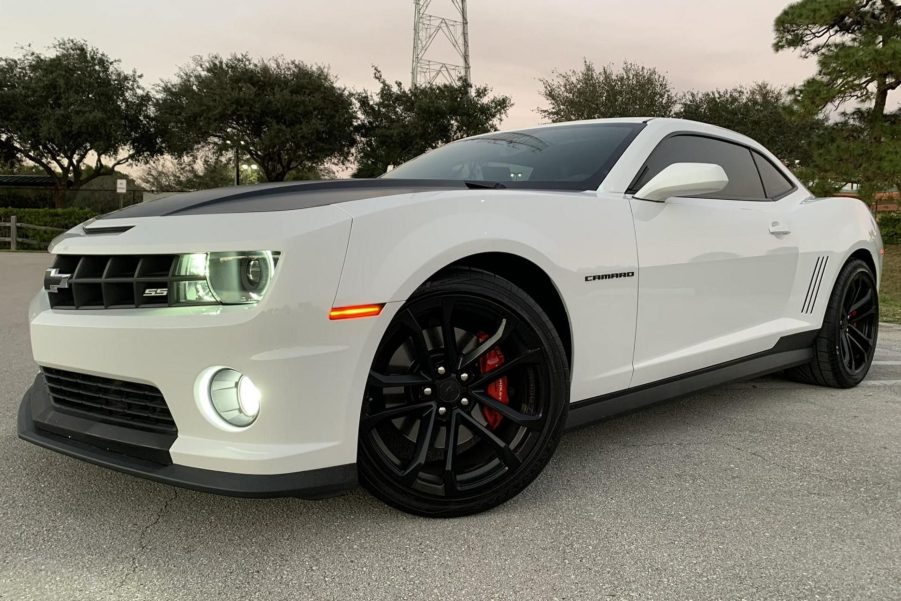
(485,185)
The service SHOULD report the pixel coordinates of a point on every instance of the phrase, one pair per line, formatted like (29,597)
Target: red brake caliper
(497,390)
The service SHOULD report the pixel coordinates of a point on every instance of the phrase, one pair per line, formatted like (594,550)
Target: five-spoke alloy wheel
(466,397)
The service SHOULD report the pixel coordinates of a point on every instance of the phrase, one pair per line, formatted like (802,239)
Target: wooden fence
(14,239)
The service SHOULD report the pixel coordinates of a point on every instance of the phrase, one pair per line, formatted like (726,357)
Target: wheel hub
(449,390)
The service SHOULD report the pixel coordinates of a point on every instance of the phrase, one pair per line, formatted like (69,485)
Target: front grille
(125,404)
(114,282)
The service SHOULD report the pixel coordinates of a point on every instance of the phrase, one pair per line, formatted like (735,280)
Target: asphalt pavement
(758,490)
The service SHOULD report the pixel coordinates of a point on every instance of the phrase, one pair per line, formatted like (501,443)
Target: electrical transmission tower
(426,28)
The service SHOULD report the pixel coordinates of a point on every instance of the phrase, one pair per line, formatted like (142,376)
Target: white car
(433,332)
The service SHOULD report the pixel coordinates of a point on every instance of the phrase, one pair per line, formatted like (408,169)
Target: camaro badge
(609,276)
(54,280)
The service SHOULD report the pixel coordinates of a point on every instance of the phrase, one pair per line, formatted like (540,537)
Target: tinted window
(569,156)
(736,161)
(774,181)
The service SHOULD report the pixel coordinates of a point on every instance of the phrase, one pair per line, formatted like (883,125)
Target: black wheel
(466,399)
(846,343)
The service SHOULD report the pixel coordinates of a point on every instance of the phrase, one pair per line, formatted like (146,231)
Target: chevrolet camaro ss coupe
(431,333)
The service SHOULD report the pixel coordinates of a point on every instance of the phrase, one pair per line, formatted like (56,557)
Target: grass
(890,287)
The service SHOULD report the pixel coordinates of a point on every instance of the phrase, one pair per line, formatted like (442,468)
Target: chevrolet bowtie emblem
(54,280)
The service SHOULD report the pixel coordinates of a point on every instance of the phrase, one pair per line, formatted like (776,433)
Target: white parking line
(880,383)
(886,362)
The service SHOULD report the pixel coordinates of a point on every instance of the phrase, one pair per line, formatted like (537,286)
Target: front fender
(398,243)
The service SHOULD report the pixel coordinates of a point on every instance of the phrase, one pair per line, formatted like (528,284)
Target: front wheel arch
(532,279)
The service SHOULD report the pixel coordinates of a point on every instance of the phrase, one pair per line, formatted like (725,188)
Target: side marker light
(355,311)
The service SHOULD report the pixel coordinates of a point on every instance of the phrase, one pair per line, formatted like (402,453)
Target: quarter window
(735,159)
(775,184)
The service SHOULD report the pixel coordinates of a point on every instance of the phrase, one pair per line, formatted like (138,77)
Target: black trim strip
(816,293)
(789,351)
(813,277)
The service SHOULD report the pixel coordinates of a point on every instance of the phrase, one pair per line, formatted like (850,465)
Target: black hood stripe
(284,196)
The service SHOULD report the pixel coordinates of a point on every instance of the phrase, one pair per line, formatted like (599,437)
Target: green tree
(75,113)
(592,93)
(398,123)
(282,114)
(186,174)
(762,112)
(857,45)
(9,159)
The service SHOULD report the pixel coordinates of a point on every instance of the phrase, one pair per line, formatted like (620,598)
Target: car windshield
(566,156)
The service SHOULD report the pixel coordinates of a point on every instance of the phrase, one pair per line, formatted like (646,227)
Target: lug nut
(464,401)
(442,410)
(441,371)
(427,391)
(464,377)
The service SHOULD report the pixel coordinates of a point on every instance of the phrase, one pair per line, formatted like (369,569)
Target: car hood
(283,196)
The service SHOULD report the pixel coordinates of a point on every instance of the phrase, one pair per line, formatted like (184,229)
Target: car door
(715,273)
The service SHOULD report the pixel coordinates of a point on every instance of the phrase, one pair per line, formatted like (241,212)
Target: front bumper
(146,455)
(311,371)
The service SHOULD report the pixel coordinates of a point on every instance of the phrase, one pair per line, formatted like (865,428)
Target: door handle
(778,228)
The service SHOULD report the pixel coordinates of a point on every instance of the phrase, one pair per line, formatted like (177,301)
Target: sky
(698,44)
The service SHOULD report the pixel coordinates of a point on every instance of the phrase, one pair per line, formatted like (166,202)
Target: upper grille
(122,403)
(113,282)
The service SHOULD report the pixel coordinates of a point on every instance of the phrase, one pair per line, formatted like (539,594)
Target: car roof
(663,125)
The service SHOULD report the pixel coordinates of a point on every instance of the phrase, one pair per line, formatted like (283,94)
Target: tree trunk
(878,112)
(59,195)
(273,173)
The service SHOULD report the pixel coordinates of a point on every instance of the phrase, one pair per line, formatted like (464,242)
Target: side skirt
(790,351)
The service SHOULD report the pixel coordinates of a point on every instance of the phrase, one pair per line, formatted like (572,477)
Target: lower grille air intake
(126,404)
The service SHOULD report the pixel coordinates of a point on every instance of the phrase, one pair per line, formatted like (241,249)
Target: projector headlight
(228,278)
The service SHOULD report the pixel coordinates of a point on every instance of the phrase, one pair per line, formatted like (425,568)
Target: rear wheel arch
(532,279)
(867,257)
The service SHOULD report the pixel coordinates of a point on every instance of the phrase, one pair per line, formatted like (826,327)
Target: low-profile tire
(497,397)
(845,345)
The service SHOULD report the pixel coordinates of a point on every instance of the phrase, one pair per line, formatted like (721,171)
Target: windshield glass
(567,156)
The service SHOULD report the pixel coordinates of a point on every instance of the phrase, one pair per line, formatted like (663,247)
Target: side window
(735,159)
(774,181)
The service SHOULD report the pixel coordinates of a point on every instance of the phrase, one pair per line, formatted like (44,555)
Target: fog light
(235,397)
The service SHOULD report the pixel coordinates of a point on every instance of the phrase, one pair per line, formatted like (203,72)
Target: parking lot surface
(757,490)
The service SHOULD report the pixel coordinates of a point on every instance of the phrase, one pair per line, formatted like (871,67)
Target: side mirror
(684,179)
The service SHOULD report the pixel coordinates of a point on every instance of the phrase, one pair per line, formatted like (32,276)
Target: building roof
(27,181)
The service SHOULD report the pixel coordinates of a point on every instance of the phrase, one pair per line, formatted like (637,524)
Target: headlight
(228,278)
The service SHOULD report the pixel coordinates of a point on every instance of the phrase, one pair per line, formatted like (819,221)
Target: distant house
(890,200)
(27,181)
(26,191)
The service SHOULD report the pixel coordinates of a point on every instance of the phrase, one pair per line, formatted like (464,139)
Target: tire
(844,348)
(497,397)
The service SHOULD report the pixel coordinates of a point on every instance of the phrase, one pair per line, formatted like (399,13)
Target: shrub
(60,218)
(890,226)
